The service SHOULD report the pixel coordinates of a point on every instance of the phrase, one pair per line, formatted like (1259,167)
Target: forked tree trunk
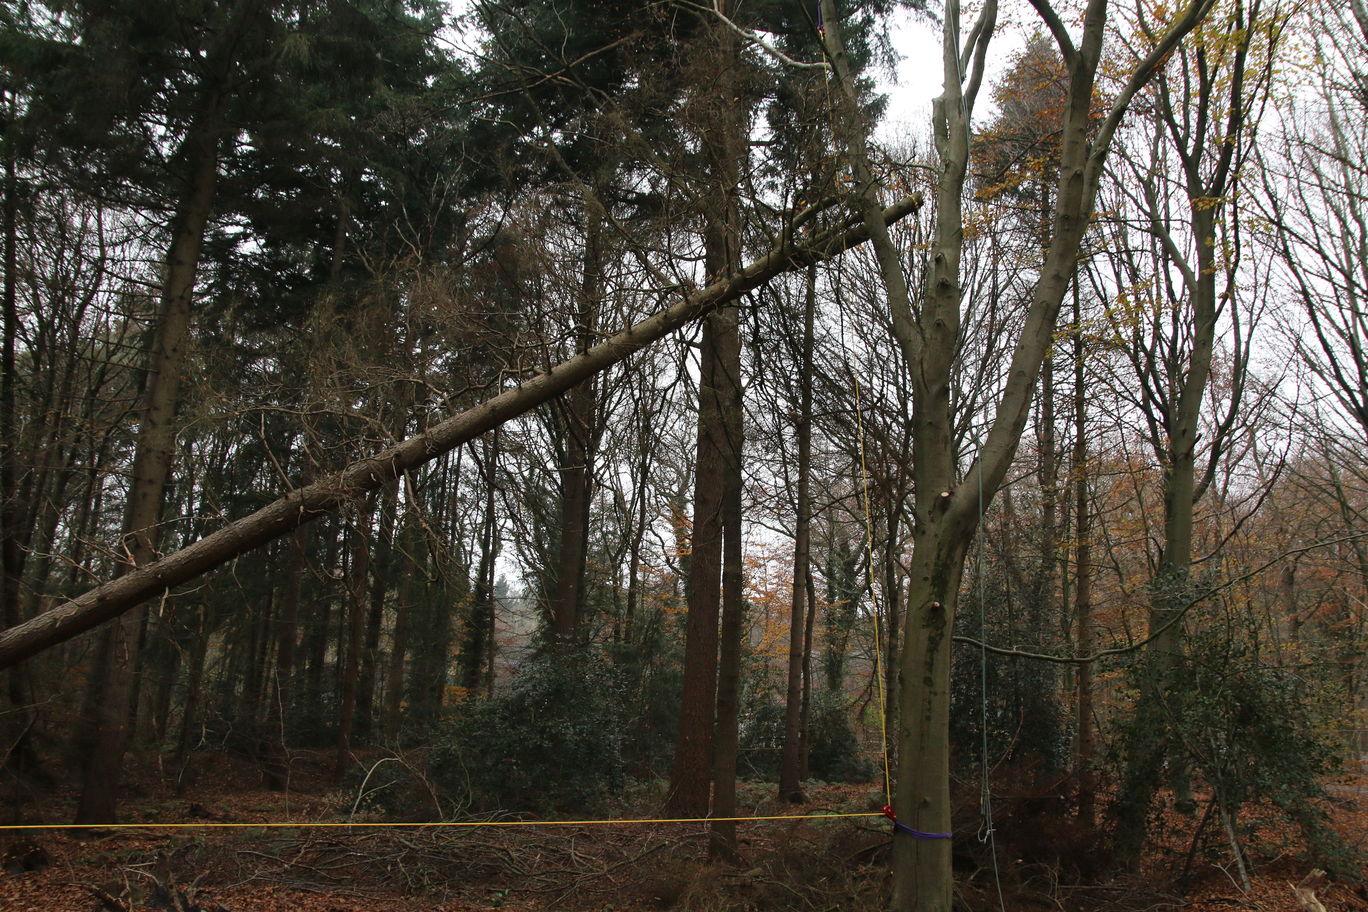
(947,511)
(1210,168)
(722,841)
(708,708)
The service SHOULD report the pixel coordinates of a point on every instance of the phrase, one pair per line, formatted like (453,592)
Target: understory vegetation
(524,414)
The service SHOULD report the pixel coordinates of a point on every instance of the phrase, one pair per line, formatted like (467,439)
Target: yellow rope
(411,825)
(864,491)
(873,598)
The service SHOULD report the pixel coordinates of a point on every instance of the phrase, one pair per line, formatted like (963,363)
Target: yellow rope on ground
(413,825)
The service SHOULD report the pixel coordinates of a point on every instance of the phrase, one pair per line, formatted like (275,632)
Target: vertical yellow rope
(873,597)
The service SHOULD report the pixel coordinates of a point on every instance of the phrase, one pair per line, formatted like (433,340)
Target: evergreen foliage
(552,741)
(834,752)
(1253,732)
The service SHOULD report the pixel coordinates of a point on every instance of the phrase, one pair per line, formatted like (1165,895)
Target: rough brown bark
(194,694)
(479,646)
(1087,735)
(722,835)
(705,745)
(691,771)
(358,575)
(791,762)
(151,467)
(381,556)
(403,609)
(276,766)
(20,757)
(578,416)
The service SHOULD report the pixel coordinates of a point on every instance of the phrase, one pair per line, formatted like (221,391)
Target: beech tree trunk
(947,506)
(1210,164)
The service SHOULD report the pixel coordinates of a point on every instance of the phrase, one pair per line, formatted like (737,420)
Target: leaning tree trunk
(307,503)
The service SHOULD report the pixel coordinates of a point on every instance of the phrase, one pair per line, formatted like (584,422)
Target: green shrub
(1249,729)
(552,741)
(389,788)
(834,753)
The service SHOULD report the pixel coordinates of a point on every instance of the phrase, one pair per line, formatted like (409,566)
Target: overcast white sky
(918,79)
(916,39)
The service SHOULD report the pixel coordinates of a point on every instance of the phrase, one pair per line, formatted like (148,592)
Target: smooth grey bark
(946,512)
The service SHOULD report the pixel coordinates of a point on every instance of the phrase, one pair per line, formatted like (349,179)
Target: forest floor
(814,864)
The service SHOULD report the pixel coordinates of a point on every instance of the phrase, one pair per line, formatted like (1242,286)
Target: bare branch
(304,504)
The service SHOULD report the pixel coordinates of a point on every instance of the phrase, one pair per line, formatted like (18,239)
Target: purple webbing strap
(915,834)
(918,834)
